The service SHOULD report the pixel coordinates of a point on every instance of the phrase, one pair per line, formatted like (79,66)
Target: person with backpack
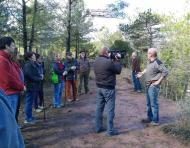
(58,80)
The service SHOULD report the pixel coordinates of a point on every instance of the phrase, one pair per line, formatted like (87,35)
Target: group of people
(67,73)
(26,76)
(17,77)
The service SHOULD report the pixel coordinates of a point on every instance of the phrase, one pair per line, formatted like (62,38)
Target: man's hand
(64,73)
(42,76)
(24,88)
(140,74)
(118,56)
(156,83)
(73,67)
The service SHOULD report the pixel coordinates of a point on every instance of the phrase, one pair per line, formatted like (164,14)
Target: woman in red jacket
(10,81)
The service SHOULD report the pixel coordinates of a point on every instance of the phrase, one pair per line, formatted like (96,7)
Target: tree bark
(24,30)
(69,29)
(33,25)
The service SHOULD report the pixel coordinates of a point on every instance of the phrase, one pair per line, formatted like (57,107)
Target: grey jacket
(154,71)
(105,72)
(84,65)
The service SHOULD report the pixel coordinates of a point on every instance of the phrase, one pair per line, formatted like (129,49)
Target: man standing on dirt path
(105,70)
(135,64)
(155,72)
(84,70)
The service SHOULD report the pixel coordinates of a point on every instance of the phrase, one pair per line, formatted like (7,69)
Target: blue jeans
(13,101)
(105,97)
(58,89)
(30,97)
(152,103)
(10,135)
(136,82)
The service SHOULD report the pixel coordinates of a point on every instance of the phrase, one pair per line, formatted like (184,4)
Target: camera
(114,54)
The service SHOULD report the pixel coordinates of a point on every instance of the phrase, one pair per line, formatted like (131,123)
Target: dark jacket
(10,75)
(71,74)
(32,76)
(58,68)
(135,65)
(10,135)
(105,72)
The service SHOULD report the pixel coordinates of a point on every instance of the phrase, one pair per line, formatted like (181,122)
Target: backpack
(54,78)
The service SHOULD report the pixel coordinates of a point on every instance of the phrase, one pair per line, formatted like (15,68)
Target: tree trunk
(33,25)
(185,87)
(77,46)
(69,29)
(24,30)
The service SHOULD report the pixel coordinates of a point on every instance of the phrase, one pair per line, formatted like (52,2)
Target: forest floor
(73,125)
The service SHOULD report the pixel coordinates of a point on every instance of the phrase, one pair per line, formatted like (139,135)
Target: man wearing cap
(71,67)
(84,71)
(10,81)
(155,72)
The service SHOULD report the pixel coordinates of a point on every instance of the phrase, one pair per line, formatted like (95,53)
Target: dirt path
(73,125)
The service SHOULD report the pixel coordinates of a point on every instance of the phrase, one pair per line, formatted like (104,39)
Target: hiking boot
(114,133)
(100,130)
(146,120)
(86,91)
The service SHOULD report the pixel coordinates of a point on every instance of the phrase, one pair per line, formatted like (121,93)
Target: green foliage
(176,54)
(4,15)
(106,38)
(121,45)
(117,9)
(143,31)
(174,130)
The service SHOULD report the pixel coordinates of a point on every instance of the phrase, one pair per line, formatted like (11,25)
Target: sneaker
(146,120)
(154,124)
(139,91)
(77,99)
(59,106)
(38,110)
(29,122)
(70,100)
(40,107)
(114,133)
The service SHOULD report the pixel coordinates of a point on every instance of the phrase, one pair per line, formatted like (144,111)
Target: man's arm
(117,67)
(164,73)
